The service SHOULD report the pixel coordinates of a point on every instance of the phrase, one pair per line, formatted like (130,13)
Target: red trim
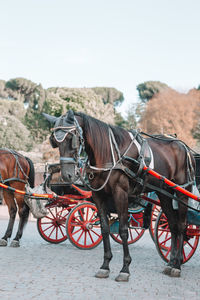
(172,184)
(156,202)
(86,194)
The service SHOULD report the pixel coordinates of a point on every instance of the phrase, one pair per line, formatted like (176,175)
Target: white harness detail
(151,165)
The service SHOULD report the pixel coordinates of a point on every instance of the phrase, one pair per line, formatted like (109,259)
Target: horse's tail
(31,175)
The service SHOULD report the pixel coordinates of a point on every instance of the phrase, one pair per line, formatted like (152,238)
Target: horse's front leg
(121,202)
(12,208)
(104,270)
(23,211)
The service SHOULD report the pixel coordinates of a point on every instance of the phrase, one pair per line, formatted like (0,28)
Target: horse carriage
(74,217)
(123,163)
(124,173)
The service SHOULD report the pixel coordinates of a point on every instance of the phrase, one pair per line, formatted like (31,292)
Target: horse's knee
(123,234)
(105,229)
(24,211)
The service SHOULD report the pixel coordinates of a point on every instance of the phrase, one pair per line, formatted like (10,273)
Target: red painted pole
(172,184)
(47,196)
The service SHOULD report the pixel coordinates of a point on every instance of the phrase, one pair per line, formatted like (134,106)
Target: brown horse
(115,171)
(15,171)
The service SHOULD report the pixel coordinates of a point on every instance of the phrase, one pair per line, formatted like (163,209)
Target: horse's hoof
(14,244)
(102,273)
(167,270)
(175,272)
(3,243)
(122,277)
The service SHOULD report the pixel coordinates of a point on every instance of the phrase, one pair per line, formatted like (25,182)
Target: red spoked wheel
(83,226)
(52,227)
(154,215)
(135,232)
(163,239)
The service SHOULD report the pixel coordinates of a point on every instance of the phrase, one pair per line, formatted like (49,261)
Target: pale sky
(112,43)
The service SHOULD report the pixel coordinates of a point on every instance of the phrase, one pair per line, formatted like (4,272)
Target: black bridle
(60,133)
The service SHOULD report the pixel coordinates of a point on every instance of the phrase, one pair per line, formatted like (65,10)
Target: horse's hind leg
(23,211)
(12,208)
(104,270)
(177,224)
(182,225)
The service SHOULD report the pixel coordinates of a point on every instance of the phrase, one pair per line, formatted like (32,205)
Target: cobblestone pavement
(39,270)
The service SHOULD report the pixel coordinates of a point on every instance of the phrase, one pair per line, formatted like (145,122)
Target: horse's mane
(96,136)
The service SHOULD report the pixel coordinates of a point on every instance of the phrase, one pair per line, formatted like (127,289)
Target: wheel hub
(88,226)
(58,221)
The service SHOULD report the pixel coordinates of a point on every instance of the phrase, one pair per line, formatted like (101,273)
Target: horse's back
(170,157)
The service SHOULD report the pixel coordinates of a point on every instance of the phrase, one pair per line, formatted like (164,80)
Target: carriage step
(193,217)
(114,227)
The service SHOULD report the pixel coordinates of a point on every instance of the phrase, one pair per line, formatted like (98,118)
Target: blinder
(74,142)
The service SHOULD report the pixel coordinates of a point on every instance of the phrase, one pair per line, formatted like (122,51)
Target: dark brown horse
(115,171)
(15,171)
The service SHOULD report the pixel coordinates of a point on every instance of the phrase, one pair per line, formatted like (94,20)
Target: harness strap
(13,179)
(113,141)
(118,165)
(16,171)
(67,160)
(149,160)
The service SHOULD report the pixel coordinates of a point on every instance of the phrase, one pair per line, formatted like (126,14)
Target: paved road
(38,270)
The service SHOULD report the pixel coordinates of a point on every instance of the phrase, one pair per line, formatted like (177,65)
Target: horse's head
(67,136)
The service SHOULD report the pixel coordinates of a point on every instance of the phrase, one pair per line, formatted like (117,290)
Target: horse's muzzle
(68,169)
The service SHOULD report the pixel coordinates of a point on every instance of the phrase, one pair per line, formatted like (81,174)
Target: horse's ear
(49,118)
(70,117)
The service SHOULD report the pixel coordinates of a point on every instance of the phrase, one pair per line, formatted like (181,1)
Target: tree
(148,89)
(78,99)
(131,122)
(3,93)
(30,100)
(109,95)
(171,112)
(22,85)
(13,134)
(120,121)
